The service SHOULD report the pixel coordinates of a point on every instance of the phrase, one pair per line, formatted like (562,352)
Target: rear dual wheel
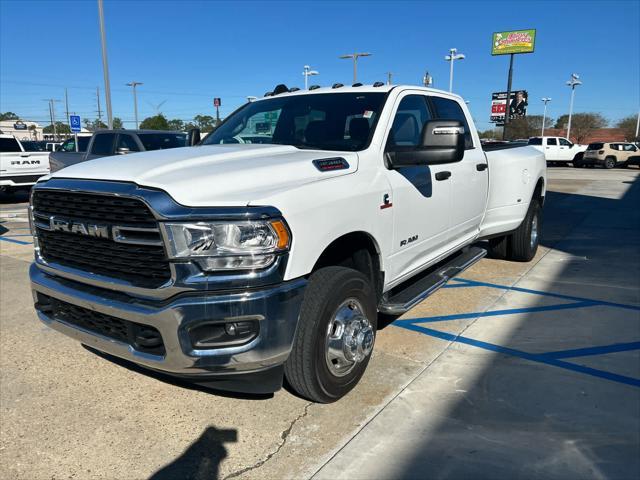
(522,244)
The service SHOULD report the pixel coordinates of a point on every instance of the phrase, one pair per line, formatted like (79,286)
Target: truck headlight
(228,245)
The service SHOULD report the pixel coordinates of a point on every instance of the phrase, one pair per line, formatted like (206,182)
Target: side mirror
(442,142)
(193,137)
(123,151)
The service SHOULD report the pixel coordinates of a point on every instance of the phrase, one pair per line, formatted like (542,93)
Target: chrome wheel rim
(534,232)
(349,338)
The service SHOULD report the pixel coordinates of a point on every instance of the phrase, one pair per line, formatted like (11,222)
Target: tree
(583,125)
(205,123)
(628,125)
(117,123)
(157,122)
(176,124)
(492,134)
(526,127)
(33,130)
(60,128)
(94,125)
(9,116)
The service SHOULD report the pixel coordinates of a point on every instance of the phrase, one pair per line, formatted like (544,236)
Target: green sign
(516,41)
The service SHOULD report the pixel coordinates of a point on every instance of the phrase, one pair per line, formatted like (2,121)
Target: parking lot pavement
(512,370)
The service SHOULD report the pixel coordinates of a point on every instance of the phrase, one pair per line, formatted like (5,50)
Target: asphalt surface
(515,370)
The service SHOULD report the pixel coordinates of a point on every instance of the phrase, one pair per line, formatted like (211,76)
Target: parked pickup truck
(232,264)
(558,149)
(19,168)
(106,143)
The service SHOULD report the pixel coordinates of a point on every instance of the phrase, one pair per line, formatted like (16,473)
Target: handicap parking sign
(74,123)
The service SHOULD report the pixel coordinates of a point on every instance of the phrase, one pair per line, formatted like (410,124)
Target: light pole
(355,57)
(544,114)
(105,65)
(573,83)
(452,57)
(135,100)
(308,73)
(427,80)
(637,128)
(389,77)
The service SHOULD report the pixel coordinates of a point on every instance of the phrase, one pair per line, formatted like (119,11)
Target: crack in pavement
(283,436)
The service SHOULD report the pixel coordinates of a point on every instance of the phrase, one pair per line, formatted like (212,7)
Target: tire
(499,247)
(578,164)
(525,240)
(312,369)
(609,163)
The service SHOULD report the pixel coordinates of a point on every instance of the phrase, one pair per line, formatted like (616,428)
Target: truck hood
(215,175)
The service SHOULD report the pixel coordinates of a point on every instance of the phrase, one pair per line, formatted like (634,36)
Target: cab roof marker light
(268,94)
(314,87)
(357,84)
(337,85)
(378,84)
(294,89)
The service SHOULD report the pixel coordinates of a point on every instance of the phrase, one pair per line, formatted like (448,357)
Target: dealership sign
(517,105)
(516,41)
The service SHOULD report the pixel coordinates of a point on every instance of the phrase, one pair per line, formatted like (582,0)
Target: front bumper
(15,181)
(275,307)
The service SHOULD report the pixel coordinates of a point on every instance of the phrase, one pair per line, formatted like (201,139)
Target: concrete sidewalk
(546,386)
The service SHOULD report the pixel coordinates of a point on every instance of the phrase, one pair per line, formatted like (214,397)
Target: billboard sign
(217,102)
(516,41)
(517,105)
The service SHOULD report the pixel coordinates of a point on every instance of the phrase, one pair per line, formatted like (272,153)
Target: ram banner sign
(517,41)
(517,106)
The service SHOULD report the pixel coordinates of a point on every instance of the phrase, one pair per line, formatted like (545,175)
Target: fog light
(211,335)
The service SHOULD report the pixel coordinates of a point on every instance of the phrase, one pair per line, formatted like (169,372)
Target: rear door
(469,177)
(551,150)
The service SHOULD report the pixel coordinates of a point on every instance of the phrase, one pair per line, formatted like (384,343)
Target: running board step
(407,298)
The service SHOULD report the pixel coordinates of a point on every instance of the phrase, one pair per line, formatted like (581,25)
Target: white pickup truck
(232,263)
(558,149)
(19,168)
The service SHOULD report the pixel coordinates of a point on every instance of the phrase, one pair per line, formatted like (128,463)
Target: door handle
(481,167)
(442,175)
(25,155)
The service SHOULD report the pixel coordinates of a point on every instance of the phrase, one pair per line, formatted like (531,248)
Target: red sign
(217,102)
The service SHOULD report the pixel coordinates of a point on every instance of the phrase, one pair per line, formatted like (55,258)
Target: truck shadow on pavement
(201,460)
(550,389)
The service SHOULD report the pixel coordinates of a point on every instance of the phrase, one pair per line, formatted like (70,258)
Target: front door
(420,202)
(565,149)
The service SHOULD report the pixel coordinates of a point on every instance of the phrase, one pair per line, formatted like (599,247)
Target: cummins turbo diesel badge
(328,164)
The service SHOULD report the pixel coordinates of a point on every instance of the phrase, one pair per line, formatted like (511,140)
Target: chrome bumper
(275,307)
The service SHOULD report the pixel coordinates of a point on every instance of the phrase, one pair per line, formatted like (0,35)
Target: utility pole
(355,57)
(52,115)
(452,57)
(66,104)
(637,127)
(99,111)
(105,65)
(573,83)
(135,100)
(389,76)
(544,115)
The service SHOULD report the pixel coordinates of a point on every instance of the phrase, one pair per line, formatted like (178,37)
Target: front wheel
(335,335)
(609,162)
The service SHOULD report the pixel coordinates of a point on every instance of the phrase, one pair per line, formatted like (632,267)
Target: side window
(410,118)
(68,146)
(564,142)
(127,141)
(552,141)
(103,144)
(447,109)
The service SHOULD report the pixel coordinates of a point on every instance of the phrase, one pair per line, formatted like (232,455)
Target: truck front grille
(143,338)
(142,265)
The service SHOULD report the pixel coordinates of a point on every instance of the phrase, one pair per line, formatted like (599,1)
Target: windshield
(335,121)
(162,141)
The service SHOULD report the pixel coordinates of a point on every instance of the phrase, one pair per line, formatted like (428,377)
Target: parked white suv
(231,263)
(558,149)
(19,168)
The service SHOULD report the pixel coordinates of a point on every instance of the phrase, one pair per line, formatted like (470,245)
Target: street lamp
(544,115)
(427,80)
(135,99)
(355,57)
(573,83)
(308,73)
(452,57)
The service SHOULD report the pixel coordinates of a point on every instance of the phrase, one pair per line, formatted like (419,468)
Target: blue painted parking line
(539,358)
(19,242)
(495,313)
(589,351)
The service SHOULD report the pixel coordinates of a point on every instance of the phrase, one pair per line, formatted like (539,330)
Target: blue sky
(187,52)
